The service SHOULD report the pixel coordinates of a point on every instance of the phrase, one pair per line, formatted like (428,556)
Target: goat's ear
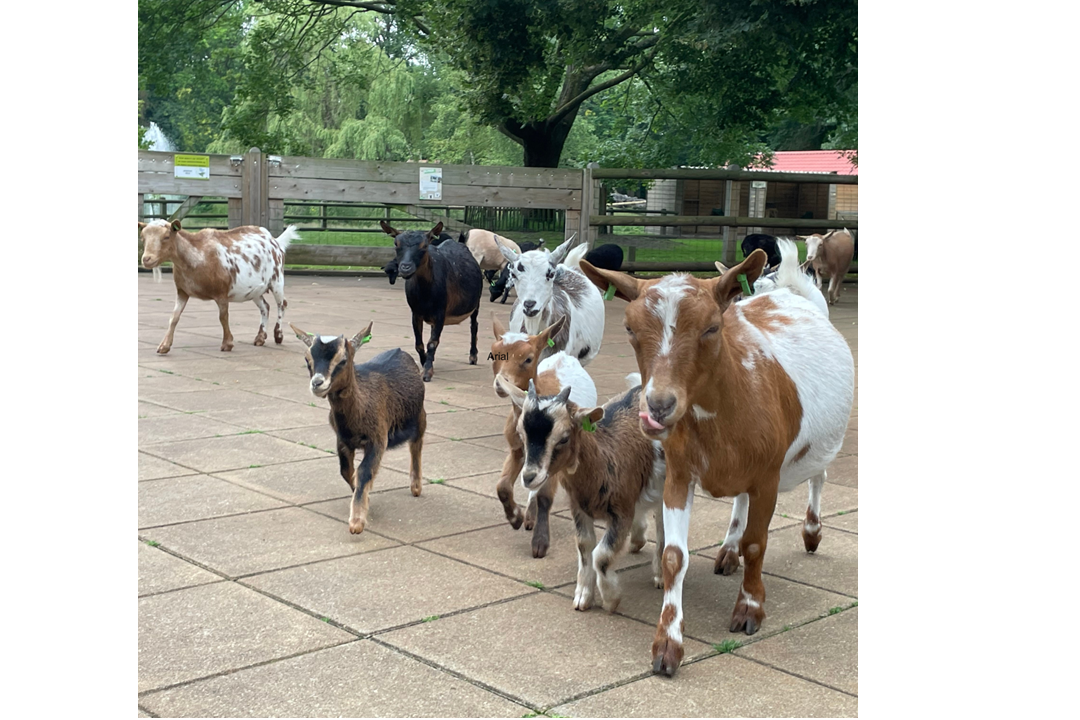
(302,336)
(175,225)
(554,329)
(727,287)
(542,241)
(141,226)
(387,229)
(594,415)
(434,233)
(507,253)
(720,267)
(497,327)
(358,338)
(626,287)
(559,253)
(517,395)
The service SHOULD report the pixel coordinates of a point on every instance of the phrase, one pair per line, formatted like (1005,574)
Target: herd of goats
(745,387)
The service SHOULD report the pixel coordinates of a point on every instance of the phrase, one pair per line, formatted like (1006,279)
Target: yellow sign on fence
(194,167)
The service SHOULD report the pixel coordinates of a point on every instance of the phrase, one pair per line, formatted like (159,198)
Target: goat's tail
(575,256)
(290,234)
(792,276)
(633,380)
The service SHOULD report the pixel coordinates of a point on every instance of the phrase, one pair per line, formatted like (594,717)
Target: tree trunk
(543,143)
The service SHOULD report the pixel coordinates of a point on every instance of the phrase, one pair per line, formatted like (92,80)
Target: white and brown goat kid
(225,266)
(548,290)
(750,397)
(516,361)
(373,406)
(609,470)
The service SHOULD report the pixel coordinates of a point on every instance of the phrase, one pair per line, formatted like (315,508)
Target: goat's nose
(660,406)
(527,477)
(528,304)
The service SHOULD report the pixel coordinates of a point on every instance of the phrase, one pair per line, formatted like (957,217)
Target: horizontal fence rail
(737,175)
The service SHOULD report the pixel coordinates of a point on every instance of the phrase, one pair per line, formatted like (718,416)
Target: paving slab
(151,410)
(381,590)
(152,468)
(257,542)
(844,470)
(159,572)
(306,481)
(278,415)
(721,686)
(181,426)
(200,631)
(834,566)
(213,398)
(708,601)
(437,512)
(196,497)
(452,460)
(848,521)
(233,452)
(825,651)
(485,485)
(536,648)
(469,424)
(161,382)
(379,683)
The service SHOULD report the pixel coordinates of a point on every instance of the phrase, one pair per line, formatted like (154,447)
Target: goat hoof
(745,618)
(472,359)
(530,521)
(416,489)
(612,605)
(582,599)
(658,582)
(811,540)
(667,656)
(226,347)
(727,561)
(539,547)
(260,339)
(357,526)
(163,348)
(278,336)
(518,518)
(428,374)
(636,545)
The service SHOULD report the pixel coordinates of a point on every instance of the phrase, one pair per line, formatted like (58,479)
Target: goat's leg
(418,333)
(834,288)
(727,558)
(416,445)
(278,288)
(433,345)
(749,611)
(264,312)
(657,570)
(667,647)
(515,460)
(586,574)
(541,538)
(346,457)
(638,528)
(365,476)
(530,511)
(223,316)
(811,531)
(473,326)
(181,303)
(603,558)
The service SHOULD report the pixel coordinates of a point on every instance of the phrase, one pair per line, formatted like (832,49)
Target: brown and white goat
(610,471)
(373,406)
(750,397)
(830,257)
(225,266)
(482,245)
(516,362)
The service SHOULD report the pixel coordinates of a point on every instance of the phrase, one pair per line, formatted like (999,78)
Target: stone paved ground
(254,599)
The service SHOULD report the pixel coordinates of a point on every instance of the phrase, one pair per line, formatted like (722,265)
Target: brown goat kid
(225,266)
(373,406)
(830,257)
(610,471)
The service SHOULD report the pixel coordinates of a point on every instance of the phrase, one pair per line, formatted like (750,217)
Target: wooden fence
(262,190)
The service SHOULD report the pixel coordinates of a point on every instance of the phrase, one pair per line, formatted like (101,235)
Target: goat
(830,257)
(608,257)
(548,291)
(442,285)
(376,406)
(748,399)
(225,266)
(500,285)
(609,469)
(516,361)
(788,274)
(443,237)
(484,246)
(767,243)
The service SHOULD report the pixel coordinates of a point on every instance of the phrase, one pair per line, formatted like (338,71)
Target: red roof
(816,161)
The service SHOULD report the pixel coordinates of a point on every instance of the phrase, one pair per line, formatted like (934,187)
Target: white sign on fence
(431,183)
(195,167)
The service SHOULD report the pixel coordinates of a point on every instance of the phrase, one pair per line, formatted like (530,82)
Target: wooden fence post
(586,204)
(731,207)
(255,186)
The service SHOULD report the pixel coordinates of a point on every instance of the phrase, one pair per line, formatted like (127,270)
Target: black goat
(500,286)
(391,268)
(766,243)
(607,257)
(443,286)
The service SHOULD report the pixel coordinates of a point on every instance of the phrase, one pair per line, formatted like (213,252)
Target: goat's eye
(710,331)
(527,361)
(629,331)
(521,267)
(564,440)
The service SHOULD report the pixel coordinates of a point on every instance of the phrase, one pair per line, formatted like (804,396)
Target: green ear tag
(493,283)
(745,285)
(587,425)
(366,338)
(551,343)
(610,292)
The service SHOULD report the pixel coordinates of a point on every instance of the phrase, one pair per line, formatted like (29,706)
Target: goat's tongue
(649,421)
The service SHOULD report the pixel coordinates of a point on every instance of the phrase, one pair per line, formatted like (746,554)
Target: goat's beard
(156,273)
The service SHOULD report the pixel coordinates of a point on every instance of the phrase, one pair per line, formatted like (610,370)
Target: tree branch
(574,102)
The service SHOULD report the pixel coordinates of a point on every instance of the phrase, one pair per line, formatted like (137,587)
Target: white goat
(548,290)
(789,275)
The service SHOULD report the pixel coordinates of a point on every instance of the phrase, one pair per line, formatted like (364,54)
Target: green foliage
(727,646)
